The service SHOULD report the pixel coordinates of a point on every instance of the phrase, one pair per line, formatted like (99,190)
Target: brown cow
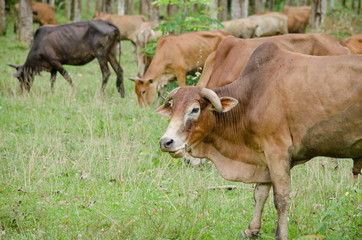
(233,54)
(128,25)
(43,14)
(298,18)
(354,43)
(277,115)
(240,28)
(175,56)
(270,24)
(145,35)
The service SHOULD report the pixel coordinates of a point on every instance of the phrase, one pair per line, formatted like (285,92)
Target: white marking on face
(172,132)
(192,113)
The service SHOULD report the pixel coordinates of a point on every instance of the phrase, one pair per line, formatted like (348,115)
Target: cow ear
(135,79)
(227,104)
(164,110)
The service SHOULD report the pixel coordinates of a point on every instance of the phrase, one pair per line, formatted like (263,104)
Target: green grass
(86,166)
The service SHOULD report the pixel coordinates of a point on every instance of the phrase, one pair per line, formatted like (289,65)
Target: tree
(144,7)
(259,5)
(108,6)
(26,22)
(271,5)
(130,7)
(67,9)
(2,17)
(154,13)
(121,5)
(318,13)
(214,5)
(223,4)
(98,5)
(239,9)
(76,10)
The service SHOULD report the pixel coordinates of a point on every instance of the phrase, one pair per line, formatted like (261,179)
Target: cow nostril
(166,143)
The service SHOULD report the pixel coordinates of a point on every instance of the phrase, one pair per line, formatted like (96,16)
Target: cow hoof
(250,234)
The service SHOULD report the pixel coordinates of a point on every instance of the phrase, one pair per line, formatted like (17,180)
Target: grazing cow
(240,28)
(72,44)
(285,109)
(43,14)
(270,24)
(175,56)
(145,35)
(233,54)
(298,18)
(354,43)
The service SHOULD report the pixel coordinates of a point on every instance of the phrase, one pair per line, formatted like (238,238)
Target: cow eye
(143,92)
(195,110)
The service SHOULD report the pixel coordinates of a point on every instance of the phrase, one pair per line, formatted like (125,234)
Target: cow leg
(119,71)
(357,165)
(261,194)
(58,67)
(280,176)
(105,73)
(53,76)
(181,77)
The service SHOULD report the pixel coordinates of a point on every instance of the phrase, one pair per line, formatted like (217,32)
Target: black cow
(72,44)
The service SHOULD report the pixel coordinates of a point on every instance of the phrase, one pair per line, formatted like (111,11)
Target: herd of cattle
(262,105)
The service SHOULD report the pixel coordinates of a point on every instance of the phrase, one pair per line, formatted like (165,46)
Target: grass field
(86,166)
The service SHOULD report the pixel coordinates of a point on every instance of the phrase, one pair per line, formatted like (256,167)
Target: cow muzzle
(168,145)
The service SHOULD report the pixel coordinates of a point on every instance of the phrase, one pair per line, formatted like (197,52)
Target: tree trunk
(223,4)
(244,8)
(26,22)
(108,6)
(271,5)
(121,5)
(154,13)
(352,5)
(98,5)
(359,7)
(144,7)
(332,4)
(235,9)
(77,10)
(290,3)
(344,3)
(259,5)
(171,9)
(52,2)
(130,7)
(305,2)
(213,6)
(2,18)
(318,13)
(67,9)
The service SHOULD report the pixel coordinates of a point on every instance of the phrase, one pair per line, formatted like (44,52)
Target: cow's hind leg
(105,72)
(357,165)
(261,193)
(119,71)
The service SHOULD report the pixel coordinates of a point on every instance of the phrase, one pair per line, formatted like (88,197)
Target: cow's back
(233,54)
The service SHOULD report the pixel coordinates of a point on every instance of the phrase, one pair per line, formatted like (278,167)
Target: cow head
(145,91)
(24,75)
(192,114)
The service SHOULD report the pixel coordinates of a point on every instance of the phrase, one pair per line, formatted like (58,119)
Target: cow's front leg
(280,176)
(261,193)
(58,67)
(119,71)
(53,76)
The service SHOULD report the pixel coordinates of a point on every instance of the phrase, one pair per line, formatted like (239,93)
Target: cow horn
(170,95)
(212,97)
(13,65)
